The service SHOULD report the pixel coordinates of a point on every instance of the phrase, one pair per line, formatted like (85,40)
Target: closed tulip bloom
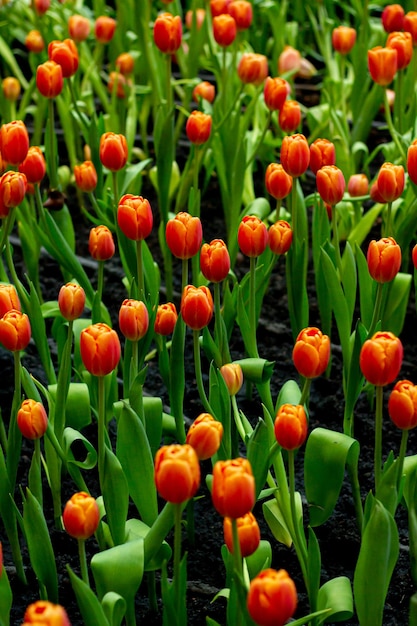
(85,175)
(289,61)
(410,25)
(41,6)
(205,436)
(390,181)
(15,331)
(167,32)
(165,319)
(218,7)
(233,377)
(71,301)
(101,243)
(322,152)
(34,41)
(199,15)
(280,237)
(277,182)
(248,533)
(242,13)
(402,42)
(11,88)
(100,349)
(45,613)
(393,18)
(290,426)
(382,65)
(113,151)
(311,352)
(8,298)
(252,68)
(374,193)
(384,259)
(184,234)
(198,127)
(64,53)
(49,79)
(119,84)
(214,260)
(133,319)
(13,187)
(358,185)
(196,306)
(343,39)
(81,516)
(412,161)
(125,63)
(330,184)
(78,27)
(252,236)
(289,116)
(272,598)
(276,91)
(204,90)
(224,29)
(32,419)
(233,487)
(134,217)
(14,142)
(34,165)
(104,29)
(414,256)
(380,358)
(295,154)
(402,405)
(177,472)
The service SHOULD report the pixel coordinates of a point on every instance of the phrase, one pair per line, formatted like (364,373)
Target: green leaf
(256,445)
(219,400)
(115,496)
(6,598)
(395,305)
(366,283)
(114,607)
(349,279)
(276,521)
(77,406)
(90,607)
(336,594)
(136,529)
(313,565)
(260,559)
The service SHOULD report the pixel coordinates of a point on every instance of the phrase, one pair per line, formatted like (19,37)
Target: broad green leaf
(395,305)
(260,559)
(219,400)
(257,445)
(89,605)
(313,565)
(336,595)
(115,496)
(77,405)
(136,529)
(114,607)
(349,279)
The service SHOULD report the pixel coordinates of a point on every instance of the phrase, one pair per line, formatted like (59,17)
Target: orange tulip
(134,217)
(276,91)
(242,13)
(64,53)
(280,237)
(343,39)
(410,25)
(196,306)
(205,435)
(252,236)
(393,18)
(198,127)
(380,358)
(113,151)
(358,185)
(104,29)
(81,516)
(34,165)
(224,29)
(165,319)
(412,161)
(71,301)
(295,154)
(402,42)
(252,68)
(384,259)
(278,183)
(32,419)
(290,426)
(311,352)
(100,349)
(34,41)
(205,91)
(13,186)
(133,319)
(402,405)
(375,194)
(382,65)
(184,234)
(125,63)
(8,298)
(248,533)
(233,377)
(177,472)
(49,79)
(11,88)
(330,184)
(78,27)
(414,256)
(233,487)
(14,142)
(15,331)
(272,598)
(101,243)
(218,7)
(214,260)
(322,152)
(167,32)
(85,176)
(45,613)
(289,116)
(390,181)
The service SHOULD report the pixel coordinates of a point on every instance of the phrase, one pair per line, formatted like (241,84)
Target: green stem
(239,424)
(115,193)
(299,542)
(184,274)
(198,374)
(252,301)
(392,129)
(336,243)
(52,170)
(401,457)
(378,436)
(237,570)
(177,554)
(260,140)
(83,561)
(101,428)
(388,226)
(14,436)
(377,309)
(305,392)
(139,270)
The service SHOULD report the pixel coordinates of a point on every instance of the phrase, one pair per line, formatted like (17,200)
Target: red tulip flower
(384,259)
(402,405)
(113,151)
(248,532)
(272,598)
(214,261)
(64,53)
(167,32)
(49,79)
(100,349)
(81,516)
(311,352)
(165,319)
(205,435)
(184,234)
(32,419)
(177,472)
(252,236)
(71,301)
(34,165)
(196,306)
(295,154)
(14,142)
(233,487)
(134,217)
(133,319)
(15,331)
(290,426)
(380,358)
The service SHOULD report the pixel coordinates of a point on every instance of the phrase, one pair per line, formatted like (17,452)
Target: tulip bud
(100,349)
(343,39)
(414,256)
(248,533)
(167,32)
(81,516)
(11,88)
(8,298)
(311,352)
(41,6)
(101,244)
(177,472)
(330,184)
(224,29)
(45,613)
(198,127)
(393,18)
(13,186)
(412,161)
(85,176)
(14,142)
(78,27)
(384,259)
(278,183)
(184,234)
(134,217)
(289,61)
(272,598)
(196,306)
(64,53)
(390,181)
(322,152)
(104,28)
(233,487)
(49,79)
(71,301)
(380,358)
(276,91)
(252,236)
(113,151)
(403,44)
(218,7)
(165,319)
(34,41)
(32,419)
(233,377)
(295,154)
(215,261)
(382,65)
(280,237)
(204,90)
(199,15)
(125,63)
(252,68)
(205,435)
(402,405)
(241,11)
(15,331)
(289,116)
(133,319)
(290,426)
(410,25)
(358,185)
